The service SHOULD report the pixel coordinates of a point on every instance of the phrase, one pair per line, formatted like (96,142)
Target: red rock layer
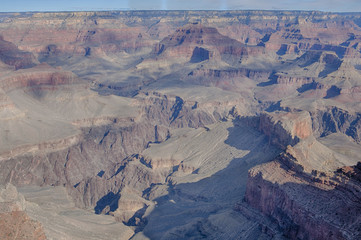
(18,225)
(11,55)
(41,75)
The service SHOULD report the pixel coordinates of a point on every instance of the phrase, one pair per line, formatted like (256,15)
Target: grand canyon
(180,125)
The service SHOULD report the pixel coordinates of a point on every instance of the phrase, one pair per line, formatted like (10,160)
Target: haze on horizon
(96,5)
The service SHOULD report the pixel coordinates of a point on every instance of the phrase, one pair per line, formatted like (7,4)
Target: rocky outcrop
(229,74)
(176,112)
(200,54)
(36,77)
(328,210)
(275,193)
(294,81)
(11,55)
(334,120)
(100,191)
(14,222)
(351,172)
(235,80)
(282,128)
(188,41)
(49,146)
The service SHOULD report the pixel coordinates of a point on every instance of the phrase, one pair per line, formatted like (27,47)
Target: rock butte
(180,125)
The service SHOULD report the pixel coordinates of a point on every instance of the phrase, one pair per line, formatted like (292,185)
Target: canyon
(180,125)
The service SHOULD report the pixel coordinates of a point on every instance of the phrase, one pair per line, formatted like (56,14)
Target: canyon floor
(180,125)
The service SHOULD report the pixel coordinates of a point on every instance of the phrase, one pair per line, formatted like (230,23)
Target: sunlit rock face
(15,222)
(180,125)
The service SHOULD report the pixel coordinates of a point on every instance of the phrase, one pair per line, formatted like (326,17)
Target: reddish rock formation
(294,81)
(14,222)
(187,40)
(18,225)
(36,77)
(282,128)
(11,55)
(330,209)
(273,189)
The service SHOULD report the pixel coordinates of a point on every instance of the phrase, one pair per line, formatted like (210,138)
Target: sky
(96,5)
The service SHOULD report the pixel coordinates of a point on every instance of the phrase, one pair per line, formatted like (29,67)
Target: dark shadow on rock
(138,220)
(111,200)
(307,86)
(199,55)
(358,67)
(176,109)
(309,58)
(283,50)
(272,80)
(276,106)
(332,65)
(128,88)
(266,37)
(339,50)
(100,173)
(87,51)
(333,91)
(36,92)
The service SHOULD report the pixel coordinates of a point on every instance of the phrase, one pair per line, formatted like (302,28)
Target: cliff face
(37,77)
(186,40)
(275,193)
(11,55)
(285,129)
(273,188)
(281,128)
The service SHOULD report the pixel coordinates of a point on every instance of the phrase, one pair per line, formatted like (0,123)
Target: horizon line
(174,10)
